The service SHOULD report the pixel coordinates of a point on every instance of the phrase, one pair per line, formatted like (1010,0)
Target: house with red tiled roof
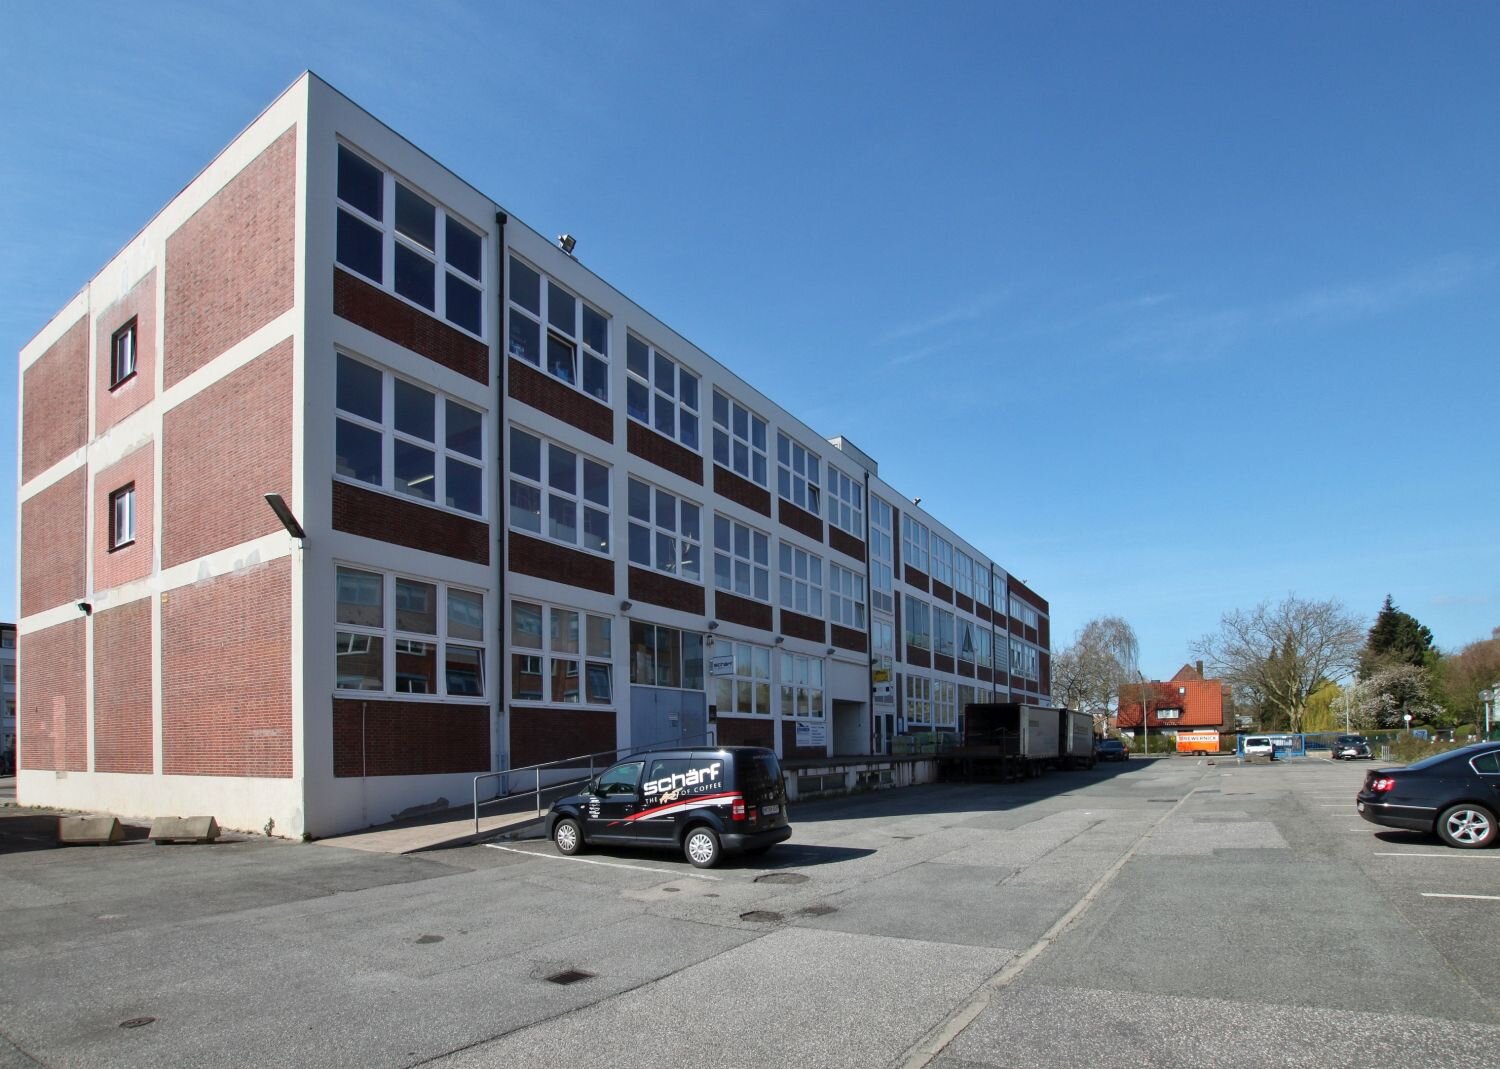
(1187,701)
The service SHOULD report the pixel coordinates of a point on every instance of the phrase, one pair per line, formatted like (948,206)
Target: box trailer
(1077,731)
(1029,734)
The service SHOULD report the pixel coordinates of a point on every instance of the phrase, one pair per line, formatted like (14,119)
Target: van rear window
(761,776)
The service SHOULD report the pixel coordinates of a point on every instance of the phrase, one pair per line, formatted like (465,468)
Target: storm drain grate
(137,1022)
(569,976)
(761,916)
(781,877)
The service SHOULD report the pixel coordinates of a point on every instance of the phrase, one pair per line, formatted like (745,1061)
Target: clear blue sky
(1171,309)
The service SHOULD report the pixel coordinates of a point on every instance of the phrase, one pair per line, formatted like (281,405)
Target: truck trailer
(1037,736)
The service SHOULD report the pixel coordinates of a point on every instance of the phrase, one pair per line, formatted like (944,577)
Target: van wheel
(701,846)
(567,836)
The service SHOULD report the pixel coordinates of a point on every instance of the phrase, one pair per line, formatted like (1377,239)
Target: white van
(1258,746)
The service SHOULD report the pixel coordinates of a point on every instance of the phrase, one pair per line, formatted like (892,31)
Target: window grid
(739,440)
(968,642)
(797,475)
(942,560)
(742,559)
(406,243)
(801,686)
(660,392)
(916,622)
(801,580)
(846,597)
(557,331)
(122,517)
(551,485)
(918,707)
(846,503)
(963,573)
(665,657)
(665,532)
(914,544)
(982,583)
(882,589)
(942,632)
(400,635)
(748,688)
(560,656)
(944,703)
(407,439)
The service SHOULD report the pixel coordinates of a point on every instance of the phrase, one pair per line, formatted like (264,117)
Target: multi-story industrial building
(519,519)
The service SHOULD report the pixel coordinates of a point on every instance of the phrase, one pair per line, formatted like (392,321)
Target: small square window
(122,354)
(122,517)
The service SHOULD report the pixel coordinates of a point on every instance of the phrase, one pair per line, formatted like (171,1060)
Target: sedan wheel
(1467,826)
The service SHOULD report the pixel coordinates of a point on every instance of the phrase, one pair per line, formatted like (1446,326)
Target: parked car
(1454,794)
(705,802)
(1259,745)
(1111,750)
(1350,747)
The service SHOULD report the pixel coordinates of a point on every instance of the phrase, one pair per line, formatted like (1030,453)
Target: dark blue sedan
(1455,795)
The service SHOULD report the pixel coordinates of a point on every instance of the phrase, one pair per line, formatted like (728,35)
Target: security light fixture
(284,514)
(713,625)
(566,242)
(780,639)
(626,606)
(830,651)
(85,608)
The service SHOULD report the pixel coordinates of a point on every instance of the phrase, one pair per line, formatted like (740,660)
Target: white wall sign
(722,665)
(812,733)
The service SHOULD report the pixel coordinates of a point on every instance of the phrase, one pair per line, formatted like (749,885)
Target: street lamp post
(1145,728)
(1489,697)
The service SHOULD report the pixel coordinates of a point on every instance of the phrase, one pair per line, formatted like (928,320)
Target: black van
(705,802)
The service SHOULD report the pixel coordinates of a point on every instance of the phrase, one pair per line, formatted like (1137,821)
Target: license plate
(770,810)
(1359,807)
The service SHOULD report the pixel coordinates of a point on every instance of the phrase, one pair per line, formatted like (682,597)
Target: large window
(797,475)
(944,703)
(402,241)
(917,623)
(801,686)
(660,392)
(846,503)
(554,330)
(1023,612)
(801,580)
(968,643)
(739,439)
(846,597)
(883,664)
(557,493)
(942,632)
(963,573)
(665,532)
(882,592)
(561,656)
(748,688)
(665,657)
(398,635)
(914,544)
(982,654)
(1023,661)
(407,439)
(122,517)
(918,699)
(122,354)
(742,559)
(942,560)
(981,582)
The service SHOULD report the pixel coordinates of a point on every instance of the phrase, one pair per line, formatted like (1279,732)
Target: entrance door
(661,717)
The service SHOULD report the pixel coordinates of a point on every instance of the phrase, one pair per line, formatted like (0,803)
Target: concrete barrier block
(89,831)
(184,829)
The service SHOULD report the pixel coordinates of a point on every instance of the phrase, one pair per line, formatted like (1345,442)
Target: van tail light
(1382,784)
(737,808)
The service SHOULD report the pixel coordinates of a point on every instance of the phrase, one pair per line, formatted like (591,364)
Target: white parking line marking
(606,864)
(1334,805)
(1482,898)
(1452,854)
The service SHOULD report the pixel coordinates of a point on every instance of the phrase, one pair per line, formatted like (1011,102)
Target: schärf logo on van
(686,783)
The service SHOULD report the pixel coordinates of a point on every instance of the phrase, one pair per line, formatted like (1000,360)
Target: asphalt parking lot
(1160,913)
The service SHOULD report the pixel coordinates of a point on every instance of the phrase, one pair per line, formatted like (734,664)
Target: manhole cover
(781,877)
(424,939)
(137,1022)
(761,916)
(817,911)
(569,976)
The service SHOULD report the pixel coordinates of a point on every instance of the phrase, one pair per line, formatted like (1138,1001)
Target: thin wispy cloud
(971,310)
(1380,296)
(912,356)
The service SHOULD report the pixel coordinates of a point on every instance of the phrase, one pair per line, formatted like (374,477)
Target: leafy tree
(1323,712)
(1396,638)
(1276,656)
(1088,674)
(1459,677)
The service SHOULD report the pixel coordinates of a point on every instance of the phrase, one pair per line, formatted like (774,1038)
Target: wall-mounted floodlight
(626,606)
(85,608)
(567,242)
(284,514)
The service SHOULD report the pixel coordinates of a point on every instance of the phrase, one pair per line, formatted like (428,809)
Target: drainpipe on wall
(870,619)
(498,719)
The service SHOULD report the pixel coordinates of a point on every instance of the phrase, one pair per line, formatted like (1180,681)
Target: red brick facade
(133,561)
(546,394)
(55,417)
(538,735)
(231,268)
(797,625)
(849,639)
(53,548)
(846,543)
(548,560)
(789,747)
(400,738)
(745,731)
(645,443)
(658,589)
(741,491)
(226,662)
(123,730)
(362,511)
(223,450)
(411,328)
(799,520)
(737,610)
(53,719)
(113,405)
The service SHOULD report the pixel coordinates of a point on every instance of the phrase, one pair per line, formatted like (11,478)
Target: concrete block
(184,829)
(89,831)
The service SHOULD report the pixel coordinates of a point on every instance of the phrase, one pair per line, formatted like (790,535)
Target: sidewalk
(513,817)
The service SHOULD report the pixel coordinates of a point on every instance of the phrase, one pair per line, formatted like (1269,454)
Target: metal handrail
(571,762)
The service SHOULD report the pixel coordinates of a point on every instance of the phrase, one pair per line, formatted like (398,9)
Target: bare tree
(1087,676)
(1278,655)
